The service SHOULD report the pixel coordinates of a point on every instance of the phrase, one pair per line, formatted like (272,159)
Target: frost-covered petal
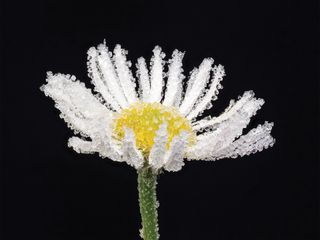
(99,79)
(156,75)
(211,94)
(124,74)
(199,79)
(156,156)
(174,85)
(79,108)
(257,139)
(104,147)
(82,146)
(131,154)
(227,126)
(109,75)
(174,157)
(190,81)
(238,112)
(144,81)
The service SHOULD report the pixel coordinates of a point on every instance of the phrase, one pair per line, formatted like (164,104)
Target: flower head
(156,123)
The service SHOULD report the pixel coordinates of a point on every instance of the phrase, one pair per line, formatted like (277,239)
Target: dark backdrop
(50,192)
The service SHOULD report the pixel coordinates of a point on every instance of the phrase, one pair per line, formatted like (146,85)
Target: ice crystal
(159,125)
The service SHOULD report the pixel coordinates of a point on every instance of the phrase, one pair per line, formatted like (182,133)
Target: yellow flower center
(146,118)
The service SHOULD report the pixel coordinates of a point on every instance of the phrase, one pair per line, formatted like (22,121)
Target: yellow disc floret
(146,118)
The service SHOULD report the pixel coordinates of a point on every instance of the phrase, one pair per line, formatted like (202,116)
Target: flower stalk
(147,182)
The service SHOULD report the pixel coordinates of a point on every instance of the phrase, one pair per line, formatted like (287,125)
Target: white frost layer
(104,148)
(241,111)
(172,96)
(174,157)
(256,140)
(199,80)
(224,129)
(79,108)
(144,81)
(130,153)
(124,74)
(156,156)
(108,71)
(156,75)
(99,79)
(211,94)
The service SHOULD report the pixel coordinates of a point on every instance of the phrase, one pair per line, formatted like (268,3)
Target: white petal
(156,156)
(175,77)
(124,73)
(211,94)
(190,82)
(227,128)
(240,111)
(201,77)
(156,75)
(104,148)
(109,75)
(131,154)
(256,140)
(99,79)
(144,82)
(174,157)
(81,146)
(79,108)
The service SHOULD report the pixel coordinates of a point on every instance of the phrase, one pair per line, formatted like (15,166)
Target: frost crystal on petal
(156,75)
(79,108)
(240,111)
(102,146)
(174,157)
(124,74)
(256,140)
(211,94)
(82,146)
(99,79)
(144,81)
(198,85)
(156,157)
(108,72)
(223,130)
(174,85)
(131,154)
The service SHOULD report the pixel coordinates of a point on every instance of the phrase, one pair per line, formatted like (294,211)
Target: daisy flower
(153,121)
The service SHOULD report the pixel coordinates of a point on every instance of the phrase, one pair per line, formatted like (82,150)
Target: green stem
(147,182)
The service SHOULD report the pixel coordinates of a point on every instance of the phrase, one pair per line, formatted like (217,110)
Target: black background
(50,192)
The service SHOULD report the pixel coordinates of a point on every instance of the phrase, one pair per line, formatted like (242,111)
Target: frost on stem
(147,182)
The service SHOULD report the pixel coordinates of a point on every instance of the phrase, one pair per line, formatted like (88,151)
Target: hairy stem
(147,181)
